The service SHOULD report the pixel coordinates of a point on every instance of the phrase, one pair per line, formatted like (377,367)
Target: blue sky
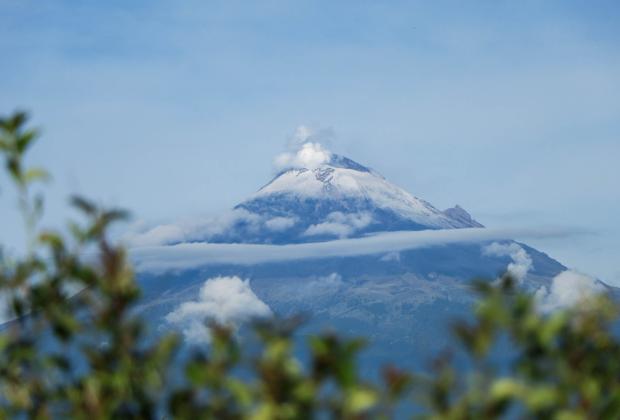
(175,109)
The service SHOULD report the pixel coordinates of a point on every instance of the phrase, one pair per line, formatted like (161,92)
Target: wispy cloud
(197,229)
(191,255)
(320,286)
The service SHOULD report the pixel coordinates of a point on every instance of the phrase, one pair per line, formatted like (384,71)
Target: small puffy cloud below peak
(521,261)
(567,289)
(280,223)
(330,229)
(340,224)
(224,300)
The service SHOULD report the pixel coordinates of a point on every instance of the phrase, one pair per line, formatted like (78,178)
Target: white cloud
(329,228)
(158,235)
(224,300)
(521,262)
(568,289)
(306,134)
(191,230)
(357,220)
(192,255)
(340,224)
(220,224)
(306,149)
(309,156)
(203,229)
(303,134)
(278,224)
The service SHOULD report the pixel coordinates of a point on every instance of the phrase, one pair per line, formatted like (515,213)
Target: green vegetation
(76,351)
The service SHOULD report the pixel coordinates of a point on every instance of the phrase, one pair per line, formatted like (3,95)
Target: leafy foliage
(75,349)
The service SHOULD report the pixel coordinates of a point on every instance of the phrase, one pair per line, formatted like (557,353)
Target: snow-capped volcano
(316,196)
(401,299)
(339,198)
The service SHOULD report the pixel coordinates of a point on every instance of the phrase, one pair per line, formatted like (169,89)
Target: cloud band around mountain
(193,255)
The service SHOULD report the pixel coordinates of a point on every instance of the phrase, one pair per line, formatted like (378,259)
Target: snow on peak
(315,173)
